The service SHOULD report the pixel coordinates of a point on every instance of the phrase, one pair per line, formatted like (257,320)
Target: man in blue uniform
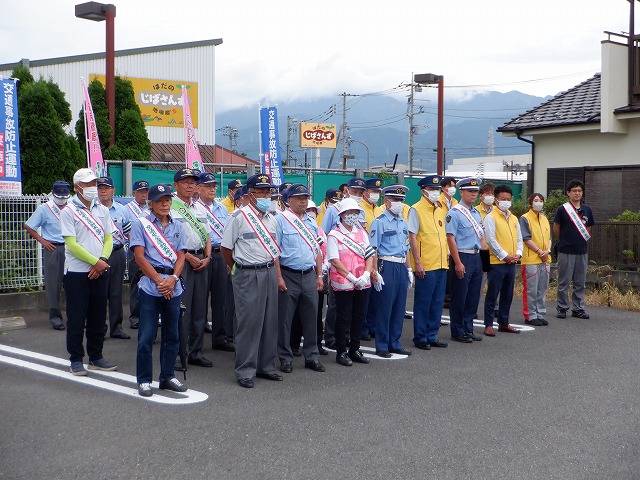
(388,236)
(465,237)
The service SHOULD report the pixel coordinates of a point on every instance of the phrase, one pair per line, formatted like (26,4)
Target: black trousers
(351,308)
(296,325)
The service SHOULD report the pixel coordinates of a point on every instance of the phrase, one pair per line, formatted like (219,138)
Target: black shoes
(322,350)
(438,344)
(207,328)
(464,339)
(296,352)
(173,384)
(473,337)
(423,345)
(120,334)
(178,367)
(331,345)
(534,322)
(357,356)
(580,314)
(58,326)
(200,362)
(343,359)
(225,347)
(366,337)
(383,353)
(562,313)
(274,377)
(314,365)
(134,323)
(400,351)
(245,382)
(286,367)
(544,322)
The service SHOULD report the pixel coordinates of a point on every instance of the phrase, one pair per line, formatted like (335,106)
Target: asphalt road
(556,403)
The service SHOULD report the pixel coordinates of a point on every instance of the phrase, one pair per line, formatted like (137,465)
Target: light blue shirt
(221,213)
(49,224)
(296,253)
(120,216)
(389,235)
(331,218)
(175,236)
(461,228)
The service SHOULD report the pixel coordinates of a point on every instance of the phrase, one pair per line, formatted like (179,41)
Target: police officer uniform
(250,250)
(47,219)
(117,261)
(227,201)
(462,226)
(300,266)
(388,236)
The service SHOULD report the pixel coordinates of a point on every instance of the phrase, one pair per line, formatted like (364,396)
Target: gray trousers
(53,275)
(116,263)
(572,268)
(302,294)
(134,314)
(535,281)
(330,318)
(217,286)
(229,308)
(255,293)
(194,298)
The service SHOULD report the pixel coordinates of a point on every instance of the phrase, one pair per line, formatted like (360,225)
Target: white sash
(477,228)
(347,242)
(267,241)
(54,208)
(135,208)
(303,230)
(85,217)
(576,220)
(159,241)
(119,235)
(214,223)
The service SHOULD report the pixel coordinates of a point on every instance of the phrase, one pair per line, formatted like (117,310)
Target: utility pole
(232,133)
(410,151)
(291,122)
(491,147)
(344,128)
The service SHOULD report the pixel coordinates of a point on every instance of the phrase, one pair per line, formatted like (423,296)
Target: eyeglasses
(576,190)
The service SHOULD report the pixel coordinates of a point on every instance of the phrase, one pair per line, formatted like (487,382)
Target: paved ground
(556,403)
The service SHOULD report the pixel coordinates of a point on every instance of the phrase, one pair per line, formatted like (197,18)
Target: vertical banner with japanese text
(94,152)
(191,151)
(270,142)
(10,172)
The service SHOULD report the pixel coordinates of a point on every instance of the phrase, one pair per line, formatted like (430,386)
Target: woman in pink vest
(350,255)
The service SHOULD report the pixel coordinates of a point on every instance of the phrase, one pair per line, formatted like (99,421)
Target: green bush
(627,216)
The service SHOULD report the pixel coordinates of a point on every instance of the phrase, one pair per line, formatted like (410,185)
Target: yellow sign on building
(160,101)
(317,135)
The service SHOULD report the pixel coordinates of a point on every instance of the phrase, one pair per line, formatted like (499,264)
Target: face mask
(351,219)
(537,206)
(357,199)
(374,197)
(60,201)
(396,207)
(89,193)
(504,205)
(488,200)
(451,191)
(273,206)
(433,195)
(312,214)
(263,204)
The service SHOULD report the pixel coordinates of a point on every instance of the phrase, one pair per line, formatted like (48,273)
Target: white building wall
(195,64)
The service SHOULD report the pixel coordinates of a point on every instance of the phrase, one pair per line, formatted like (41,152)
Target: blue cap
(262,180)
(333,194)
(284,186)
(469,183)
(241,191)
(140,185)
(356,183)
(206,177)
(61,189)
(108,181)
(374,183)
(186,173)
(430,181)
(274,192)
(395,191)
(156,192)
(235,184)
(298,189)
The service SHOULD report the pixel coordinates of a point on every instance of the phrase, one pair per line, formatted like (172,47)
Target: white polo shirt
(91,240)
(193,239)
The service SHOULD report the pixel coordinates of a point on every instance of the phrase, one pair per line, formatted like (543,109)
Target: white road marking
(480,324)
(186,398)
(369,352)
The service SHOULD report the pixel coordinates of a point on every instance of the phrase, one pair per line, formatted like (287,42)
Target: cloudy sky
(280,50)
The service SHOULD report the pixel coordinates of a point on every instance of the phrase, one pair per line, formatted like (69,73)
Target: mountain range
(380,122)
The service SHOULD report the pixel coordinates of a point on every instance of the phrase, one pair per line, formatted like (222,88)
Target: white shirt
(240,237)
(193,239)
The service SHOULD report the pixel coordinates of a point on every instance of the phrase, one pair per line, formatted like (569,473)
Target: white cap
(311,204)
(349,204)
(84,175)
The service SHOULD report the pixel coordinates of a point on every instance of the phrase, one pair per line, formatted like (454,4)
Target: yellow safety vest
(506,233)
(322,210)
(228,203)
(370,212)
(483,212)
(443,202)
(431,236)
(541,236)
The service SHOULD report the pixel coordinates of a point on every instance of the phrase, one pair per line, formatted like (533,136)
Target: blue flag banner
(10,174)
(270,145)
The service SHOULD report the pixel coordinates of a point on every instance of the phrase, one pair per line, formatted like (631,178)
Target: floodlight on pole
(99,12)
(351,140)
(430,79)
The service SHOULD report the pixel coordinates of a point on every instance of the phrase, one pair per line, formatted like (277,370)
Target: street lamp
(351,140)
(430,79)
(98,12)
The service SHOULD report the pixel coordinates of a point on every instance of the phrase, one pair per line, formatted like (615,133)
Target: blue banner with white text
(10,174)
(270,142)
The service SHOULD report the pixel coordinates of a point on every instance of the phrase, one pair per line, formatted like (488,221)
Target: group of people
(265,259)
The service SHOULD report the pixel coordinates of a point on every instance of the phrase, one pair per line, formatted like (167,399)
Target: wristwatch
(176,277)
(104,259)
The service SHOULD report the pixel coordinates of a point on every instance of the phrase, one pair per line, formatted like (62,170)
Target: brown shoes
(508,329)
(489,332)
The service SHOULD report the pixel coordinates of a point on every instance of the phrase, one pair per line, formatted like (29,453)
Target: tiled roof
(209,154)
(578,105)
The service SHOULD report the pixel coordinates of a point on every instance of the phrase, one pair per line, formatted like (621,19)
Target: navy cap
(374,183)
(284,186)
(206,177)
(298,189)
(356,183)
(469,183)
(241,191)
(108,181)
(262,180)
(395,191)
(186,173)
(275,192)
(140,185)
(430,181)
(235,184)
(156,192)
(333,194)
(61,189)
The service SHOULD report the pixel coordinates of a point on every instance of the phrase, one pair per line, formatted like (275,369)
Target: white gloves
(378,284)
(325,268)
(411,277)
(362,281)
(352,278)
